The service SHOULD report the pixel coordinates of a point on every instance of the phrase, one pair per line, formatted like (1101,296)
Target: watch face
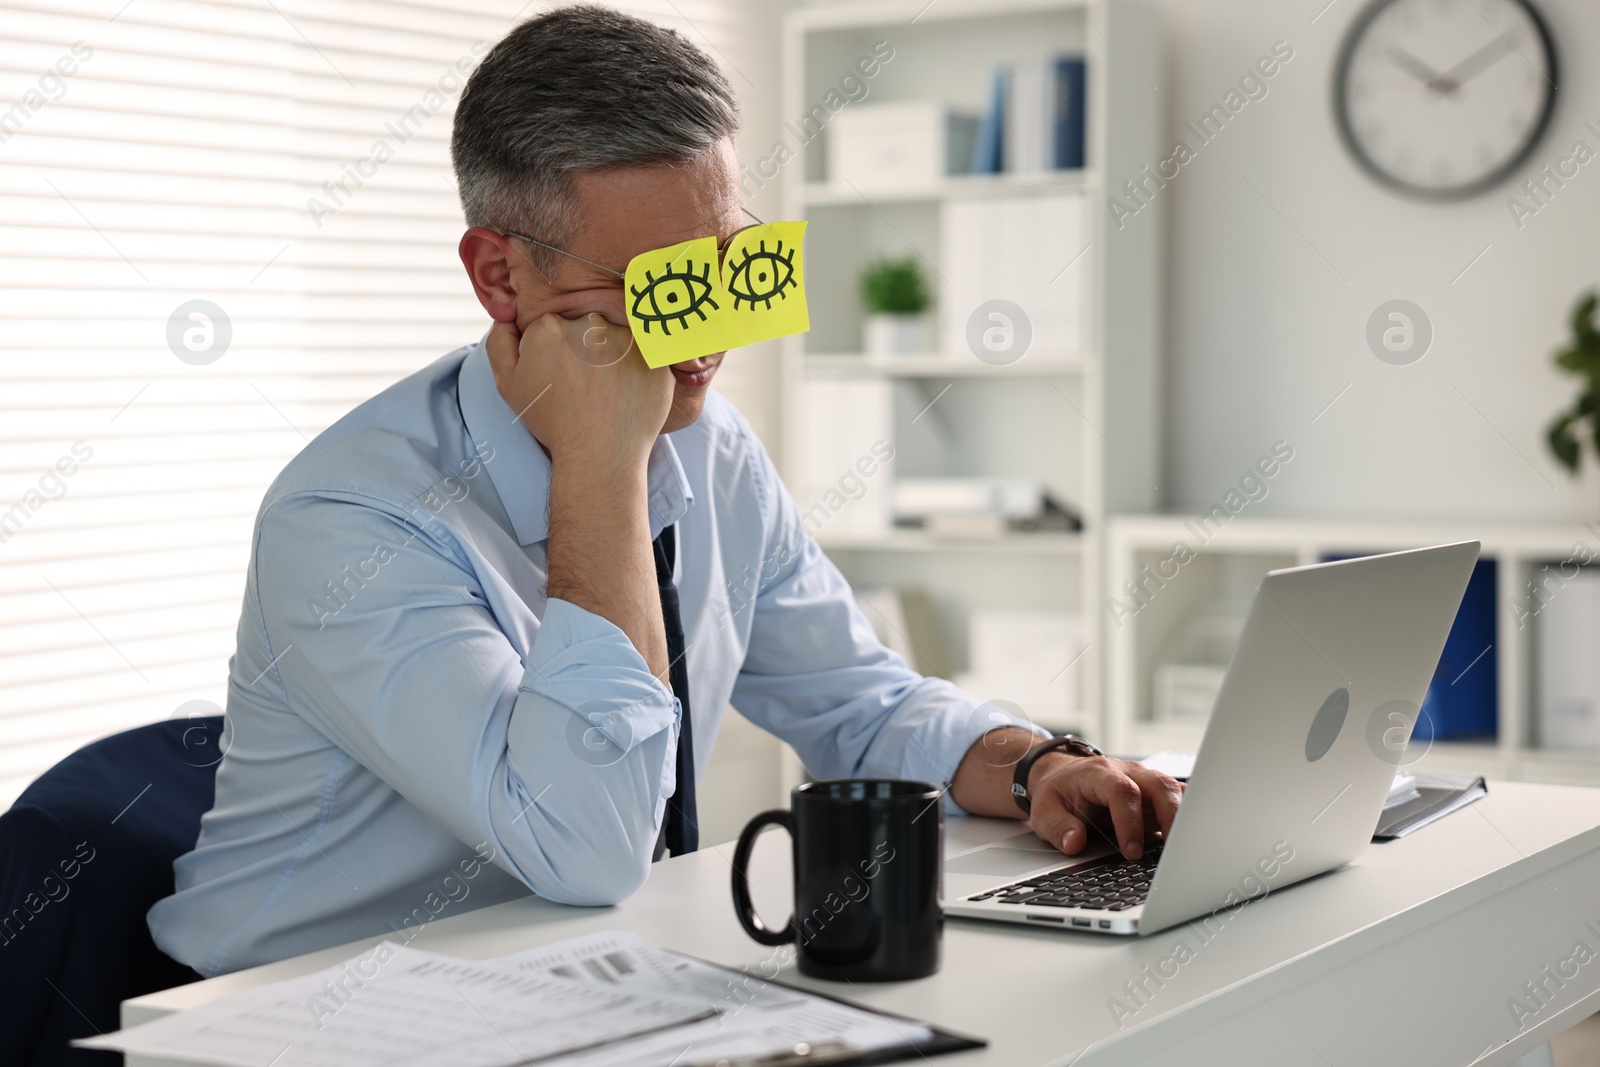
(1445,98)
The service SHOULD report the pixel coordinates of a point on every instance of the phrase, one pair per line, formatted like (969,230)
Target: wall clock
(1445,98)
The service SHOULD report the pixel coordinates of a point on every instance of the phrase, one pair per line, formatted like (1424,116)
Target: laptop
(1308,729)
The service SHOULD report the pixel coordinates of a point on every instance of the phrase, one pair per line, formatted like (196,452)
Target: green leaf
(1583,320)
(1563,443)
(1580,361)
(895,286)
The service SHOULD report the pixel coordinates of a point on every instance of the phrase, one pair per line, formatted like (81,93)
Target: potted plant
(1582,358)
(896,297)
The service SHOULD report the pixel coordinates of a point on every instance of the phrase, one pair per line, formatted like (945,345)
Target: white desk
(1408,957)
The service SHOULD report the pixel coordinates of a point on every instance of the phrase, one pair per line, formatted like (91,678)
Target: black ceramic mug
(866,879)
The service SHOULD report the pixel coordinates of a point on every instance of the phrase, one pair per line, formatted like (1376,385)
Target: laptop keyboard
(1109,884)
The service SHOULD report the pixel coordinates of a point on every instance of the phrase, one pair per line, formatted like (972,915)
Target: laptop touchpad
(1001,861)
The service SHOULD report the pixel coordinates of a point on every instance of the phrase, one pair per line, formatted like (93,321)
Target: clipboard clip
(803,1054)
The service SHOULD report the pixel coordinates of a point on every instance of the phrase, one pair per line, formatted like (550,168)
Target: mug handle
(743,907)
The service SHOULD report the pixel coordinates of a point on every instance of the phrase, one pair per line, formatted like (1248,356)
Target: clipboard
(940,1042)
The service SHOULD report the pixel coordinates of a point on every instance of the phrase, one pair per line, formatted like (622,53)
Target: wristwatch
(1074,744)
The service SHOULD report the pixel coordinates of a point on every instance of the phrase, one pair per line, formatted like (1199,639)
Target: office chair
(84,852)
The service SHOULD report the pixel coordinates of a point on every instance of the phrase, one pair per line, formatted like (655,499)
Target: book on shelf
(1034,121)
(1067,114)
(988,155)
(1025,120)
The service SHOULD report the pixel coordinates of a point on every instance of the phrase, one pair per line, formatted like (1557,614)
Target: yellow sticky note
(683,303)
(676,301)
(763,270)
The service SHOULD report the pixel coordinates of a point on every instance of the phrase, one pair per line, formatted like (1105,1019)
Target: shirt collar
(520,470)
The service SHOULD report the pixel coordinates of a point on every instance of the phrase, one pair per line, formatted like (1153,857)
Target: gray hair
(578,89)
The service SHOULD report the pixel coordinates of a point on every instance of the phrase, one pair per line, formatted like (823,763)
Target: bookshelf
(1520,551)
(1050,415)
(824,194)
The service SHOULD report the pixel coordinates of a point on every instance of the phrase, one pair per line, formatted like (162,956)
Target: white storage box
(914,143)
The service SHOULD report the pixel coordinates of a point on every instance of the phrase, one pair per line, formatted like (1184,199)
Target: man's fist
(581,389)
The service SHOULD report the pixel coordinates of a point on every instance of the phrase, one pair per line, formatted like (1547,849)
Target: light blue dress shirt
(414,730)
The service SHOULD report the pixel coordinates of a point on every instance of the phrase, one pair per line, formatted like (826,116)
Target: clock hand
(1478,62)
(1414,67)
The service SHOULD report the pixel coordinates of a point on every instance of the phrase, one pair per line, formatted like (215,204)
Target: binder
(1067,119)
(1437,796)
(987,150)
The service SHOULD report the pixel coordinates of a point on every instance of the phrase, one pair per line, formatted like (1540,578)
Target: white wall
(1261,332)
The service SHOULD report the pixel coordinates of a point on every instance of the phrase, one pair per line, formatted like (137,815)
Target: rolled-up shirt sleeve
(562,763)
(817,676)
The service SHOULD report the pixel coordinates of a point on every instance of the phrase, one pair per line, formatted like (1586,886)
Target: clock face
(1445,98)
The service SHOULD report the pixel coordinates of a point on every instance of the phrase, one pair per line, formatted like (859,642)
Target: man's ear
(487,257)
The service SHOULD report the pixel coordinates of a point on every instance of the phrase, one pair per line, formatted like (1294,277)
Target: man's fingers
(1054,823)
(1080,798)
(1162,794)
(1121,797)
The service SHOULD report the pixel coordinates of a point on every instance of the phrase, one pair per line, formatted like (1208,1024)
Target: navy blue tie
(680,831)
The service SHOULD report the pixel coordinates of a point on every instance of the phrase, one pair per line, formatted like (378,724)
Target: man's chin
(690,383)
(687,404)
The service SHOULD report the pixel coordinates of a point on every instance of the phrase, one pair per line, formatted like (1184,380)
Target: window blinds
(223,224)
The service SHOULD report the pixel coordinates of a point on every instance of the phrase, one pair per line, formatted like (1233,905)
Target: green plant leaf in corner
(1579,361)
(1581,358)
(1583,321)
(1564,443)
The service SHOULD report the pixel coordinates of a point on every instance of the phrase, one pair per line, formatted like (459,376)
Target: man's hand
(581,389)
(1075,800)
(596,408)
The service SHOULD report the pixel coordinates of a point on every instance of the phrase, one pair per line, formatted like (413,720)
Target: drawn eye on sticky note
(685,302)
(675,297)
(763,269)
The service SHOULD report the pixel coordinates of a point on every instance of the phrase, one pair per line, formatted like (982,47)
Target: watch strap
(1072,743)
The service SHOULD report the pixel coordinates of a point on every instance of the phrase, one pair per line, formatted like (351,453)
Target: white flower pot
(895,335)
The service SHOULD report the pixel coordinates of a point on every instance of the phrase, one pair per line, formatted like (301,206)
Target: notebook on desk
(1415,798)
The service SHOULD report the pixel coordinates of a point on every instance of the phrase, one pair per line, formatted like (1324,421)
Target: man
(488,632)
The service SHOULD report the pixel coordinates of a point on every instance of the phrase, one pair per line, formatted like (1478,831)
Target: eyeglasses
(709,294)
(722,245)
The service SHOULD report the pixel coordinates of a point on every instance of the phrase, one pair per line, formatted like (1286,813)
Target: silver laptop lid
(1309,727)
